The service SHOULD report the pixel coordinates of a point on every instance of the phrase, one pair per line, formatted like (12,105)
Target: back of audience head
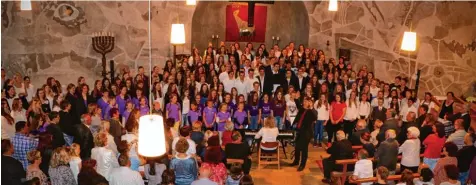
(123,160)
(185,131)
(407,177)
(246,180)
(168,177)
(452,172)
(229,126)
(383,173)
(182,145)
(340,135)
(170,122)
(100,140)
(197,126)
(362,154)
(236,171)
(205,171)
(213,155)
(439,129)
(413,133)
(7,147)
(33,181)
(390,134)
(59,157)
(426,174)
(236,136)
(214,140)
(450,149)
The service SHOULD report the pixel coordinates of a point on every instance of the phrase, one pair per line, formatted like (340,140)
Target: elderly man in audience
(465,156)
(360,128)
(124,174)
(340,149)
(458,136)
(387,152)
(390,123)
(410,150)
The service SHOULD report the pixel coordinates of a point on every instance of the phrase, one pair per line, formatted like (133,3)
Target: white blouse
(19,115)
(364,109)
(8,131)
(322,112)
(410,150)
(269,135)
(351,113)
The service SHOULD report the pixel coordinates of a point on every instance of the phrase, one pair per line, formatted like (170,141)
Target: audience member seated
(452,172)
(410,151)
(226,136)
(22,143)
(369,147)
(465,156)
(449,151)
(433,145)
(458,136)
(105,158)
(373,135)
(390,123)
(360,128)
(382,175)
(168,177)
(185,133)
(204,177)
(184,165)
(213,160)
(363,167)
(15,172)
(153,170)
(268,133)
(33,170)
(88,175)
(235,175)
(59,171)
(197,135)
(426,176)
(387,152)
(124,174)
(340,149)
(406,178)
(239,150)
(247,180)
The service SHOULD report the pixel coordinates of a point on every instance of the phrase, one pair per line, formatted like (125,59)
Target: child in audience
(75,160)
(363,167)
(406,178)
(204,179)
(235,175)
(226,136)
(197,135)
(426,176)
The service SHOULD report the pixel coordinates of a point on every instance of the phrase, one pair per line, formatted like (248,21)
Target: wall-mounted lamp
(275,40)
(215,40)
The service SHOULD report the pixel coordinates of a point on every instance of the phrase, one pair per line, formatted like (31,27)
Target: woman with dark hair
(433,145)
(8,123)
(213,160)
(337,112)
(449,151)
(168,177)
(45,146)
(447,105)
(88,174)
(406,178)
(96,93)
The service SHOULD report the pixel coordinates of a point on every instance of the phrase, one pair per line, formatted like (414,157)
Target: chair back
(270,144)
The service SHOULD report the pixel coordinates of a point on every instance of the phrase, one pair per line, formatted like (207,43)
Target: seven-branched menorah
(103,43)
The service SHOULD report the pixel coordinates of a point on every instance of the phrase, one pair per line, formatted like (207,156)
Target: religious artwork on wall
(237,29)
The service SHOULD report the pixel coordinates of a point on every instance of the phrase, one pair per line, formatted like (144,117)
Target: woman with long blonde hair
(33,170)
(59,171)
(269,132)
(75,160)
(18,113)
(322,107)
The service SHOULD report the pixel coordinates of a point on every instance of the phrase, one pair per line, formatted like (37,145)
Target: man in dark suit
(390,123)
(54,130)
(264,79)
(301,79)
(12,169)
(411,117)
(304,133)
(378,113)
(67,120)
(277,76)
(340,149)
(84,137)
(115,125)
(462,113)
(387,151)
(289,80)
(422,111)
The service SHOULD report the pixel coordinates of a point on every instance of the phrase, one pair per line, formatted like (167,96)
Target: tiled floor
(270,174)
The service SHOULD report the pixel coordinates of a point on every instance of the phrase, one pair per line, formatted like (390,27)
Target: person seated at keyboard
(268,133)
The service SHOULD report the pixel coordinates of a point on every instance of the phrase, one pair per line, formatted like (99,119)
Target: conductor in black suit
(304,132)
(84,137)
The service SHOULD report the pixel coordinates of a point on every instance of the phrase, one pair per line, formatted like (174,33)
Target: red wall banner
(237,29)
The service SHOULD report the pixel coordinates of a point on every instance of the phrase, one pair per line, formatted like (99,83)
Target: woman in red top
(433,145)
(337,113)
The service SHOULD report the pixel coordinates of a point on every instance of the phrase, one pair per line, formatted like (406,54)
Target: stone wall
(50,42)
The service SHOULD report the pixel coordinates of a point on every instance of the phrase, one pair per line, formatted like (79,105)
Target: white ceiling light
(333,5)
(191,2)
(409,41)
(25,5)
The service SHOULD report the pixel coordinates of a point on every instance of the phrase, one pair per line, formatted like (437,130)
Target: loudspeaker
(251,14)
(345,53)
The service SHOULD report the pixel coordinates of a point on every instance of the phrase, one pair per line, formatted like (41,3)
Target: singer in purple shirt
(240,117)
(209,115)
(121,100)
(223,117)
(264,108)
(253,111)
(173,110)
(143,108)
(278,108)
(193,114)
(103,103)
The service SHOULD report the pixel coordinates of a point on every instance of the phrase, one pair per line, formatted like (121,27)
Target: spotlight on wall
(25,5)
(409,41)
(333,5)
(191,2)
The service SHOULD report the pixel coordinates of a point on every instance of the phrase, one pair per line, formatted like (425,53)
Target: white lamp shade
(191,2)
(177,36)
(151,136)
(409,41)
(25,5)
(333,5)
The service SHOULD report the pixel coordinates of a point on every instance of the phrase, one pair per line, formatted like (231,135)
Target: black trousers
(300,154)
(414,169)
(332,129)
(349,127)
